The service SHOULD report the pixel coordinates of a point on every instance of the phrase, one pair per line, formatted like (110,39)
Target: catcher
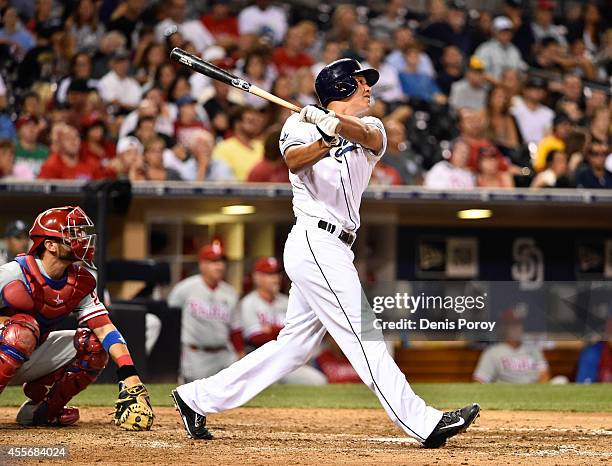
(37,291)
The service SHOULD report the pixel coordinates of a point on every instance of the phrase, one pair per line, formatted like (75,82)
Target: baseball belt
(207,349)
(344,236)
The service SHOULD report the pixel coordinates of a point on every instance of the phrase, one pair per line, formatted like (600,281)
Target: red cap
(546,5)
(266,265)
(92,119)
(211,252)
(23,119)
(514,315)
(225,63)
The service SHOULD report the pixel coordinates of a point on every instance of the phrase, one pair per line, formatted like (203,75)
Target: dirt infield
(258,436)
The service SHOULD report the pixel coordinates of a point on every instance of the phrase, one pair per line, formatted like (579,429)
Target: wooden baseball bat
(208,69)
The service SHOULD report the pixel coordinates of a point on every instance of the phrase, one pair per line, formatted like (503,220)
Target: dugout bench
(453,362)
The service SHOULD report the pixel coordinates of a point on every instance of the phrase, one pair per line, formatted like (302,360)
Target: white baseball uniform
(325,293)
(208,317)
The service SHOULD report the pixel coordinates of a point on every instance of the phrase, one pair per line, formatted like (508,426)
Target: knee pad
(18,339)
(19,336)
(91,355)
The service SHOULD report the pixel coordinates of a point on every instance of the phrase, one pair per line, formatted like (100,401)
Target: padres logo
(528,266)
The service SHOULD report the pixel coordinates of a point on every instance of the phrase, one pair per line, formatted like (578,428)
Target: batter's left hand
(326,122)
(328,128)
(315,114)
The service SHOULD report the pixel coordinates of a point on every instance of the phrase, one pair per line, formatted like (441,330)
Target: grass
(593,398)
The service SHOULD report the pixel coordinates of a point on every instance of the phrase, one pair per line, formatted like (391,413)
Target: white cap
(129,142)
(609,162)
(214,53)
(502,23)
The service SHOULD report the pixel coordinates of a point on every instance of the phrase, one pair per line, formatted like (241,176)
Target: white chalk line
(397,440)
(565,450)
(576,430)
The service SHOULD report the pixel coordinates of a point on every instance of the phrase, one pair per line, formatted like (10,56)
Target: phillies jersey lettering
(209,311)
(331,189)
(519,363)
(266,319)
(504,363)
(257,313)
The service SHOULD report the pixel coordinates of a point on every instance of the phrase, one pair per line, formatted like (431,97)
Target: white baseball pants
(325,296)
(55,352)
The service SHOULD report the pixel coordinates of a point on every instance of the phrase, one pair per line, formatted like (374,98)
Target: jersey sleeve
(248,315)
(540,359)
(176,298)
(236,321)
(294,133)
(485,369)
(8,273)
(89,307)
(373,121)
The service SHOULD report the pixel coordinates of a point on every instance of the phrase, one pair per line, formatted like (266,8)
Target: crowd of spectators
(519,96)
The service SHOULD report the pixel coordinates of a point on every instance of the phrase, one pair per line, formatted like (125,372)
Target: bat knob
(177,53)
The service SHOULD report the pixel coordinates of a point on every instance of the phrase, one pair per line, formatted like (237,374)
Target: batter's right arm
(353,129)
(331,124)
(303,156)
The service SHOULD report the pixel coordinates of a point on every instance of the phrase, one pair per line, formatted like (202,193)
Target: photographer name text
(427,324)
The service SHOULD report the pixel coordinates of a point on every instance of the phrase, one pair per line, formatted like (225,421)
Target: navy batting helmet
(337,80)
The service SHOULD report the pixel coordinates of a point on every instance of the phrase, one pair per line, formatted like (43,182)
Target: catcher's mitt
(133,409)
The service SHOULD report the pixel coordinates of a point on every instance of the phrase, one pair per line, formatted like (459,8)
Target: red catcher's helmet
(72,226)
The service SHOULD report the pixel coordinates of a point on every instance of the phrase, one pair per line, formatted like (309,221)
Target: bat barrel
(214,72)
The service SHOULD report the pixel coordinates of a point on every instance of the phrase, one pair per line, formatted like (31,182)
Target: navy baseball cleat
(195,423)
(452,423)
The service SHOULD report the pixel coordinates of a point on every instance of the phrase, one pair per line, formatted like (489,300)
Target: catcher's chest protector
(52,303)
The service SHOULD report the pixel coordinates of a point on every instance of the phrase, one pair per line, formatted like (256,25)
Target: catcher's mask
(72,226)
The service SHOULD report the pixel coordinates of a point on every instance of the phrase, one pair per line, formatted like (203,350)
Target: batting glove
(315,114)
(328,128)
(326,122)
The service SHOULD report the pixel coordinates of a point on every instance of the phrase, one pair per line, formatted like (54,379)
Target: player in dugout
(38,290)
(514,360)
(211,338)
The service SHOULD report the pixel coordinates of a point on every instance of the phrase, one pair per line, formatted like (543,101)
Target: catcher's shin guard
(54,390)
(18,339)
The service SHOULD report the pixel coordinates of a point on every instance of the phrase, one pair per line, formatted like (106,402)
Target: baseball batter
(37,291)
(330,151)
(209,318)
